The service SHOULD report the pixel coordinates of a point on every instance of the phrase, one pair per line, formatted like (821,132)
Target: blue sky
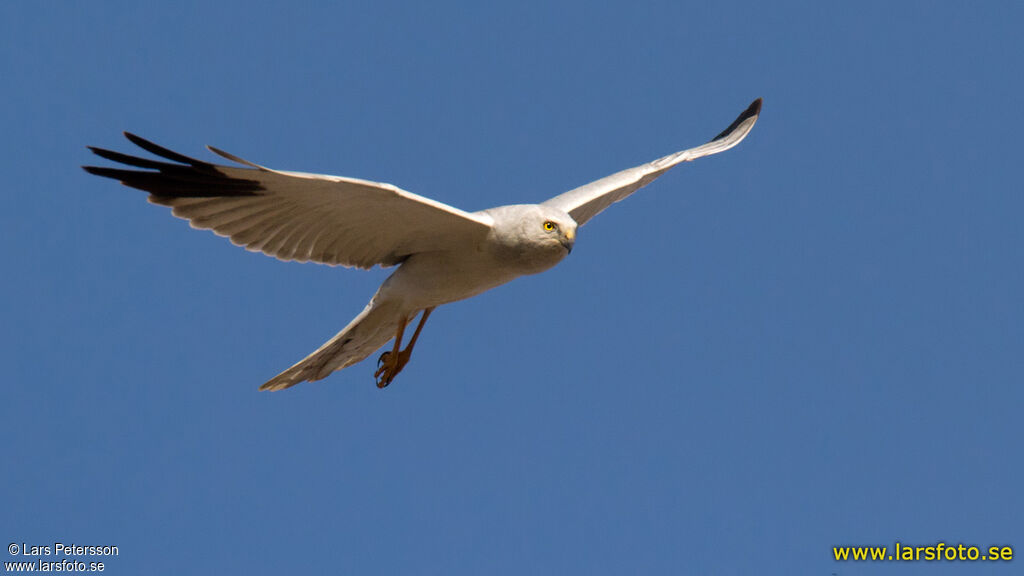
(812,340)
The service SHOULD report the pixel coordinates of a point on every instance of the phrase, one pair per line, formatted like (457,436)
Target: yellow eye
(549,226)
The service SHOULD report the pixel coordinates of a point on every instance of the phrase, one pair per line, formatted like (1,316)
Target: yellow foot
(389,365)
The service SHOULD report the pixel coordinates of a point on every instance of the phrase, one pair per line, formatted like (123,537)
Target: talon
(381,375)
(390,363)
(387,368)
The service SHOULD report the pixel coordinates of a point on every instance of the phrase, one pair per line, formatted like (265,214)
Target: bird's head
(536,236)
(557,227)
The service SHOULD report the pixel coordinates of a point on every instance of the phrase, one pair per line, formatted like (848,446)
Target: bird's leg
(391,363)
(407,353)
(389,360)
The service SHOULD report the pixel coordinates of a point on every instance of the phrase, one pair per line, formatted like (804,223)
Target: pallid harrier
(443,254)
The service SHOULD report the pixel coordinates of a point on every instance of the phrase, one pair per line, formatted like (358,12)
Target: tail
(374,326)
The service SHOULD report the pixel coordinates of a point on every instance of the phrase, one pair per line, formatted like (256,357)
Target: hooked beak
(568,239)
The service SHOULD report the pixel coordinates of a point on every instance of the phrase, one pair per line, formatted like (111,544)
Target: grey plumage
(444,254)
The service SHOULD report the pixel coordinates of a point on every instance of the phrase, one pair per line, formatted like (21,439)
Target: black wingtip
(164,152)
(753,110)
(190,178)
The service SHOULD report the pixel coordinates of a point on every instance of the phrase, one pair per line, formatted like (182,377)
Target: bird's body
(443,254)
(515,246)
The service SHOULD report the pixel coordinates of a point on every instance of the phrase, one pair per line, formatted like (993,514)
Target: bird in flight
(443,254)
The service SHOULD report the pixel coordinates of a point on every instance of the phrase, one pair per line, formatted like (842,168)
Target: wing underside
(589,200)
(292,215)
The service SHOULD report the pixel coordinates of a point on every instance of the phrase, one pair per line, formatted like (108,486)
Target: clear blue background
(812,340)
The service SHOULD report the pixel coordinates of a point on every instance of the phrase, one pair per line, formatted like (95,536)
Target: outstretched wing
(293,215)
(587,201)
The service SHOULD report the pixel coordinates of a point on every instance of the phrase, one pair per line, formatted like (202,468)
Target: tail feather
(366,333)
